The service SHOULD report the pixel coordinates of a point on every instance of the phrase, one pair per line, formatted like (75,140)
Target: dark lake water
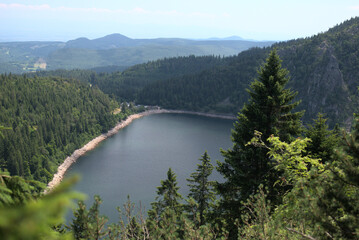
(137,158)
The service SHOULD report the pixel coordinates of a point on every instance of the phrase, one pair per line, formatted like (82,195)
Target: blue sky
(252,19)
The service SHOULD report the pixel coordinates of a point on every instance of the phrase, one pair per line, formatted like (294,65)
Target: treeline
(126,85)
(221,89)
(282,181)
(45,120)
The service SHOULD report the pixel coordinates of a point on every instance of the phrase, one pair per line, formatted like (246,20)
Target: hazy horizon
(276,20)
(214,38)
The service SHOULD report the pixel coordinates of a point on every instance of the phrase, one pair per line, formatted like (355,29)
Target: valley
(282,163)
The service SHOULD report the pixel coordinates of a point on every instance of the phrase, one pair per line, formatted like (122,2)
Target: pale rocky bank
(61,170)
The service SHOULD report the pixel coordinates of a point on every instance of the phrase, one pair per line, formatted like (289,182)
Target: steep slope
(126,85)
(46,119)
(220,89)
(323,69)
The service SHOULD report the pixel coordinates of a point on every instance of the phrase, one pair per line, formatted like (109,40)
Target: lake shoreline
(62,169)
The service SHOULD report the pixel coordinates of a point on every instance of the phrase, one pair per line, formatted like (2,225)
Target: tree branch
(300,233)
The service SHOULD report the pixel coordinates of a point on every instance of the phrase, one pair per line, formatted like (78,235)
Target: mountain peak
(233,38)
(115,40)
(113,37)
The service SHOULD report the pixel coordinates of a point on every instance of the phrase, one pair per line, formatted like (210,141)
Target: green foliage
(1,129)
(165,215)
(16,191)
(35,217)
(201,189)
(48,119)
(319,203)
(79,223)
(89,224)
(269,111)
(323,141)
(294,218)
(96,222)
(167,196)
(256,223)
(290,159)
(220,88)
(126,85)
(341,193)
(323,200)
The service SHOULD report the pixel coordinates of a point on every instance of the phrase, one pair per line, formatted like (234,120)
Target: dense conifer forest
(127,84)
(282,179)
(46,119)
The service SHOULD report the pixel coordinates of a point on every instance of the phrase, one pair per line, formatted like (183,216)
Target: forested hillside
(127,84)
(45,120)
(323,70)
(220,89)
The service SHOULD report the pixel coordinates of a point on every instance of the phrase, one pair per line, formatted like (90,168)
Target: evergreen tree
(2,128)
(338,207)
(89,224)
(25,214)
(167,194)
(323,141)
(79,224)
(166,211)
(201,189)
(96,221)
(269,110)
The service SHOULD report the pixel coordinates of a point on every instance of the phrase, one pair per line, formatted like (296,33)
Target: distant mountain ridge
(110,50)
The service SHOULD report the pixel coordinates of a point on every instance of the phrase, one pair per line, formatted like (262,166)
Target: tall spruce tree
(323,141)
(167,195)
(201,189)
(269,110)
(165,216)
(79,225)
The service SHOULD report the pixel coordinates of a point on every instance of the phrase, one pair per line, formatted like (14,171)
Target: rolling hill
(114,49)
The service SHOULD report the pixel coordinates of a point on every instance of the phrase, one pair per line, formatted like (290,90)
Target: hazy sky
(252,19)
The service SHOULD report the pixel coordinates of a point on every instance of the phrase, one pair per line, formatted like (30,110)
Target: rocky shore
(61,170)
